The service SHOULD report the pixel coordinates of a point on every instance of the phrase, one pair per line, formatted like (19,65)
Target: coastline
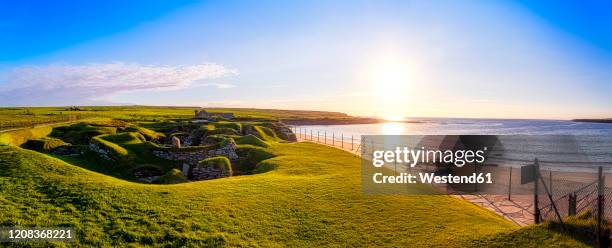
(594,120)
(336,121)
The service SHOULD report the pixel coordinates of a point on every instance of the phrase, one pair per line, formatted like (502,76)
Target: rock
(176,142)
(185,170)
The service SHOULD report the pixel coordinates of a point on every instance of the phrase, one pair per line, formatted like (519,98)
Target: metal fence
(346,142)
(559,193)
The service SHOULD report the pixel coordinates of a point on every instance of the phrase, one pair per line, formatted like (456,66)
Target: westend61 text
(431,178)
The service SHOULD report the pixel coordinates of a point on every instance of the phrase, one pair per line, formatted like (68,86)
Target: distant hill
(16,117)
(594,120)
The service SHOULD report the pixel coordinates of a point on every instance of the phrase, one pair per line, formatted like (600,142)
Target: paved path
(519,209)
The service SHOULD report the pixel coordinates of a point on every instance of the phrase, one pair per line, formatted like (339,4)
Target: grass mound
(250,140)
(219,163)
(266,133)
(104,122)
(147,133)
(178,134)
(81,133)
(226,124)
(116,150)
(226,131)
(263,167)
(18,137)
(44,144)
(171,177)
(125,138)
(253,155)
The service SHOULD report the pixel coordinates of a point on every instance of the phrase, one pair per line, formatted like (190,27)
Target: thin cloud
(64,83)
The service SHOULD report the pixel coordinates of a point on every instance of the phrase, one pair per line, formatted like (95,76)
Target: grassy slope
(312,198)
(312,202)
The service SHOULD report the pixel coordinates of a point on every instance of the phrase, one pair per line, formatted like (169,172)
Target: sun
(390,80)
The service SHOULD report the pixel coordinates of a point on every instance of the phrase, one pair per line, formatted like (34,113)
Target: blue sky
(499,59)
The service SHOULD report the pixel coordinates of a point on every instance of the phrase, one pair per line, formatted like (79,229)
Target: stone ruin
(282,130)
(203,114)
(103,153)
(181,150)
(148,175)
(68,151)
(192,157)
(206,172)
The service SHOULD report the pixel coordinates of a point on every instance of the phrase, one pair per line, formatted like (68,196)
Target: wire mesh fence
(572,195)
(570,191)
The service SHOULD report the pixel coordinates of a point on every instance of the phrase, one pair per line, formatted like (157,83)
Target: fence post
(325,138)
(318,135)
(333,139)
(600,206)
(510,184)
(351,142)
(342,140)
(536,208)
(571,210)
(310,134)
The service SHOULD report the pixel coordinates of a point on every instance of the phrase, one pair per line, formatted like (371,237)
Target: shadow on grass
(582,227)
(576,231)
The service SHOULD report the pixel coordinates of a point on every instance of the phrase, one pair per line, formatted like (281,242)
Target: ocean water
(471,126)
(558,144)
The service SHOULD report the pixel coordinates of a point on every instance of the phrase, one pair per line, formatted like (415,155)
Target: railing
(570,196)
(346,142)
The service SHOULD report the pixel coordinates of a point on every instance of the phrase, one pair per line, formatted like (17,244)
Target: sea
(557,144)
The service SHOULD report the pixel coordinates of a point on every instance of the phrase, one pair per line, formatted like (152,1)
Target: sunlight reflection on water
(392,128)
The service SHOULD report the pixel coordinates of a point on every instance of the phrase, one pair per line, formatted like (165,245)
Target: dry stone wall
(103,153)
(206,173)
(192,157)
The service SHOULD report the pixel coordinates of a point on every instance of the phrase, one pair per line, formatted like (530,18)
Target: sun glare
(390,80)
(393,118)
(392,128)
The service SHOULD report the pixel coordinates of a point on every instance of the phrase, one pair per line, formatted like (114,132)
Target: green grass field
(30,116)
(311,198)
(292,194)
